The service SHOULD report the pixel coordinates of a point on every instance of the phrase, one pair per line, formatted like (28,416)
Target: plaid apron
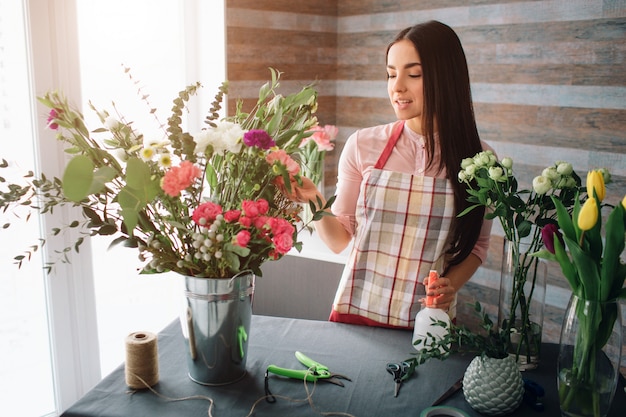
(403,222)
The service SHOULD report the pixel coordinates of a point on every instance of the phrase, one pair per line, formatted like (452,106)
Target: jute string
(308,398)
(142,360)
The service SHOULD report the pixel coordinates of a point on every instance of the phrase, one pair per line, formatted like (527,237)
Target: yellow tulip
(588,215)
(624,202)
(595,181)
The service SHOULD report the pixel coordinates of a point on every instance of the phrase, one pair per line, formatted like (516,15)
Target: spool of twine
(142,360)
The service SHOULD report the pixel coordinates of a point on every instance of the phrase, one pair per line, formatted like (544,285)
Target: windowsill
(314,248)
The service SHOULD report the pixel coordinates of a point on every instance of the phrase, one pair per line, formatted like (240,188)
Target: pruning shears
(315,372)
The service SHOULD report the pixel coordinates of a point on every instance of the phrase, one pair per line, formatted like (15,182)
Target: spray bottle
(426,318)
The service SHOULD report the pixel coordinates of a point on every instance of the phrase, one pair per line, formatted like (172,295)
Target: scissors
(401,372)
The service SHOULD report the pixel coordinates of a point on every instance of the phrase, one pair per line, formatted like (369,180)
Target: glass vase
(522,298)
(589,357)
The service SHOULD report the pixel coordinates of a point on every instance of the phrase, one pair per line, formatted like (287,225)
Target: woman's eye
(415,75)
(390,76)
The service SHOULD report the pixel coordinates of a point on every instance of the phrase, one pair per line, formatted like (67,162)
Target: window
(49,340)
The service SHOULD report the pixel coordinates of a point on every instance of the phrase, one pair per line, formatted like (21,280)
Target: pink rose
(249,208)
(280,226)
(232,215)
(283,243)
(260,221)
(207,211)
(262,205)
(245,221)
(242,238)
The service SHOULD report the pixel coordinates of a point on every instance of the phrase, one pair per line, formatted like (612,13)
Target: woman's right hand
(300,193)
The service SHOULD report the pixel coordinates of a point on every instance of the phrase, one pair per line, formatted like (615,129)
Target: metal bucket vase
(216,324)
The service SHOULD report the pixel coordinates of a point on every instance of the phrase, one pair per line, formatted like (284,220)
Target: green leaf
(564,219)
(612,272)
(77,178)
(100,178)
(588,272)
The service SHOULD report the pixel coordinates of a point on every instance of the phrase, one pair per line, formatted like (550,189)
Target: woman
(397,192)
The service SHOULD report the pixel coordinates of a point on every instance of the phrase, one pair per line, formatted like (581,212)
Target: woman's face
(404,83)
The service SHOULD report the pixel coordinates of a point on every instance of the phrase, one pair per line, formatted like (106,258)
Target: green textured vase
(493,387)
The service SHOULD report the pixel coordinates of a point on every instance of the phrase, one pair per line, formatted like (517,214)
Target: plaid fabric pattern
(402,226)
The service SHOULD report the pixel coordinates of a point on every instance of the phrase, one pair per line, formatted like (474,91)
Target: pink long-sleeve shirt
(359,156)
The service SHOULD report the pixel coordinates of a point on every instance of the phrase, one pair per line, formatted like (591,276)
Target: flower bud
(496,174)
(564,168)
(507,162)
(541,184)
(588,215)
(624,202)
(547,235)
(595,182)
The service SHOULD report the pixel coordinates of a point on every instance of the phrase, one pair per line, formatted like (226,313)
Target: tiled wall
(548,81)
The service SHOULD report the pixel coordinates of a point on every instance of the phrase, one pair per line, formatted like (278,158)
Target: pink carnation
(281,157)
(178,178)
(323,137)
(206,211)
(242,238)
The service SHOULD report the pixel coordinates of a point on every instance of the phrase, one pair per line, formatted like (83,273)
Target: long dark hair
(448,111)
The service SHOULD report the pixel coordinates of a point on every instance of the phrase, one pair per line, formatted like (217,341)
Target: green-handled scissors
(315,372)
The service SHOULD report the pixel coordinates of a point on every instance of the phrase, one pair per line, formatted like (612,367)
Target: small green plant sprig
(490,342)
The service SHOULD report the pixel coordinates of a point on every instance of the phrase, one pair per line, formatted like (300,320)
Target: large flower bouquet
(522,213)
(204,204)
(595,271)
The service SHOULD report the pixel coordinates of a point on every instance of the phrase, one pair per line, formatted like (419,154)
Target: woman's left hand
(442,292)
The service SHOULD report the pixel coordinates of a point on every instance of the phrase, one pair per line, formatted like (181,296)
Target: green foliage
(490,341)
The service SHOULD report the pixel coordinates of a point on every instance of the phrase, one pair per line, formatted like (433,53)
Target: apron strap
(391,143)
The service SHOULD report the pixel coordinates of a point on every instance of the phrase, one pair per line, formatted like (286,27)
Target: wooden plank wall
(548,82)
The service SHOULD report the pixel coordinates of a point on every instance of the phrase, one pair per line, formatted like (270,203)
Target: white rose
(542,184)
(564,168)
(507,163)
(466,162)
(550,173)
(462,176)
(496,174)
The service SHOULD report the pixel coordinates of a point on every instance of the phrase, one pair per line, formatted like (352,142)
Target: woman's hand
(442,292)
(300,193)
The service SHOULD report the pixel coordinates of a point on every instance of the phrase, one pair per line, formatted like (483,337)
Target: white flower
(542,184)
(470,171)
(497,174)
(147,153)
(483,158)
(551,173)
(564,168)
(507,163)
(462,176)
(111,123)
(466,162)
(165,160)
(226,136)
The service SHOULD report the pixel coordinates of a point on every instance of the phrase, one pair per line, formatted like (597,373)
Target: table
(356,351)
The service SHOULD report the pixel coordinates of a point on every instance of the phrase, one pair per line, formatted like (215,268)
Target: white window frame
(53,50)
(53,43)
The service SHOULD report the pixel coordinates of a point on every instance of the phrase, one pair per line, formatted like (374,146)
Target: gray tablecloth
(356,351)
